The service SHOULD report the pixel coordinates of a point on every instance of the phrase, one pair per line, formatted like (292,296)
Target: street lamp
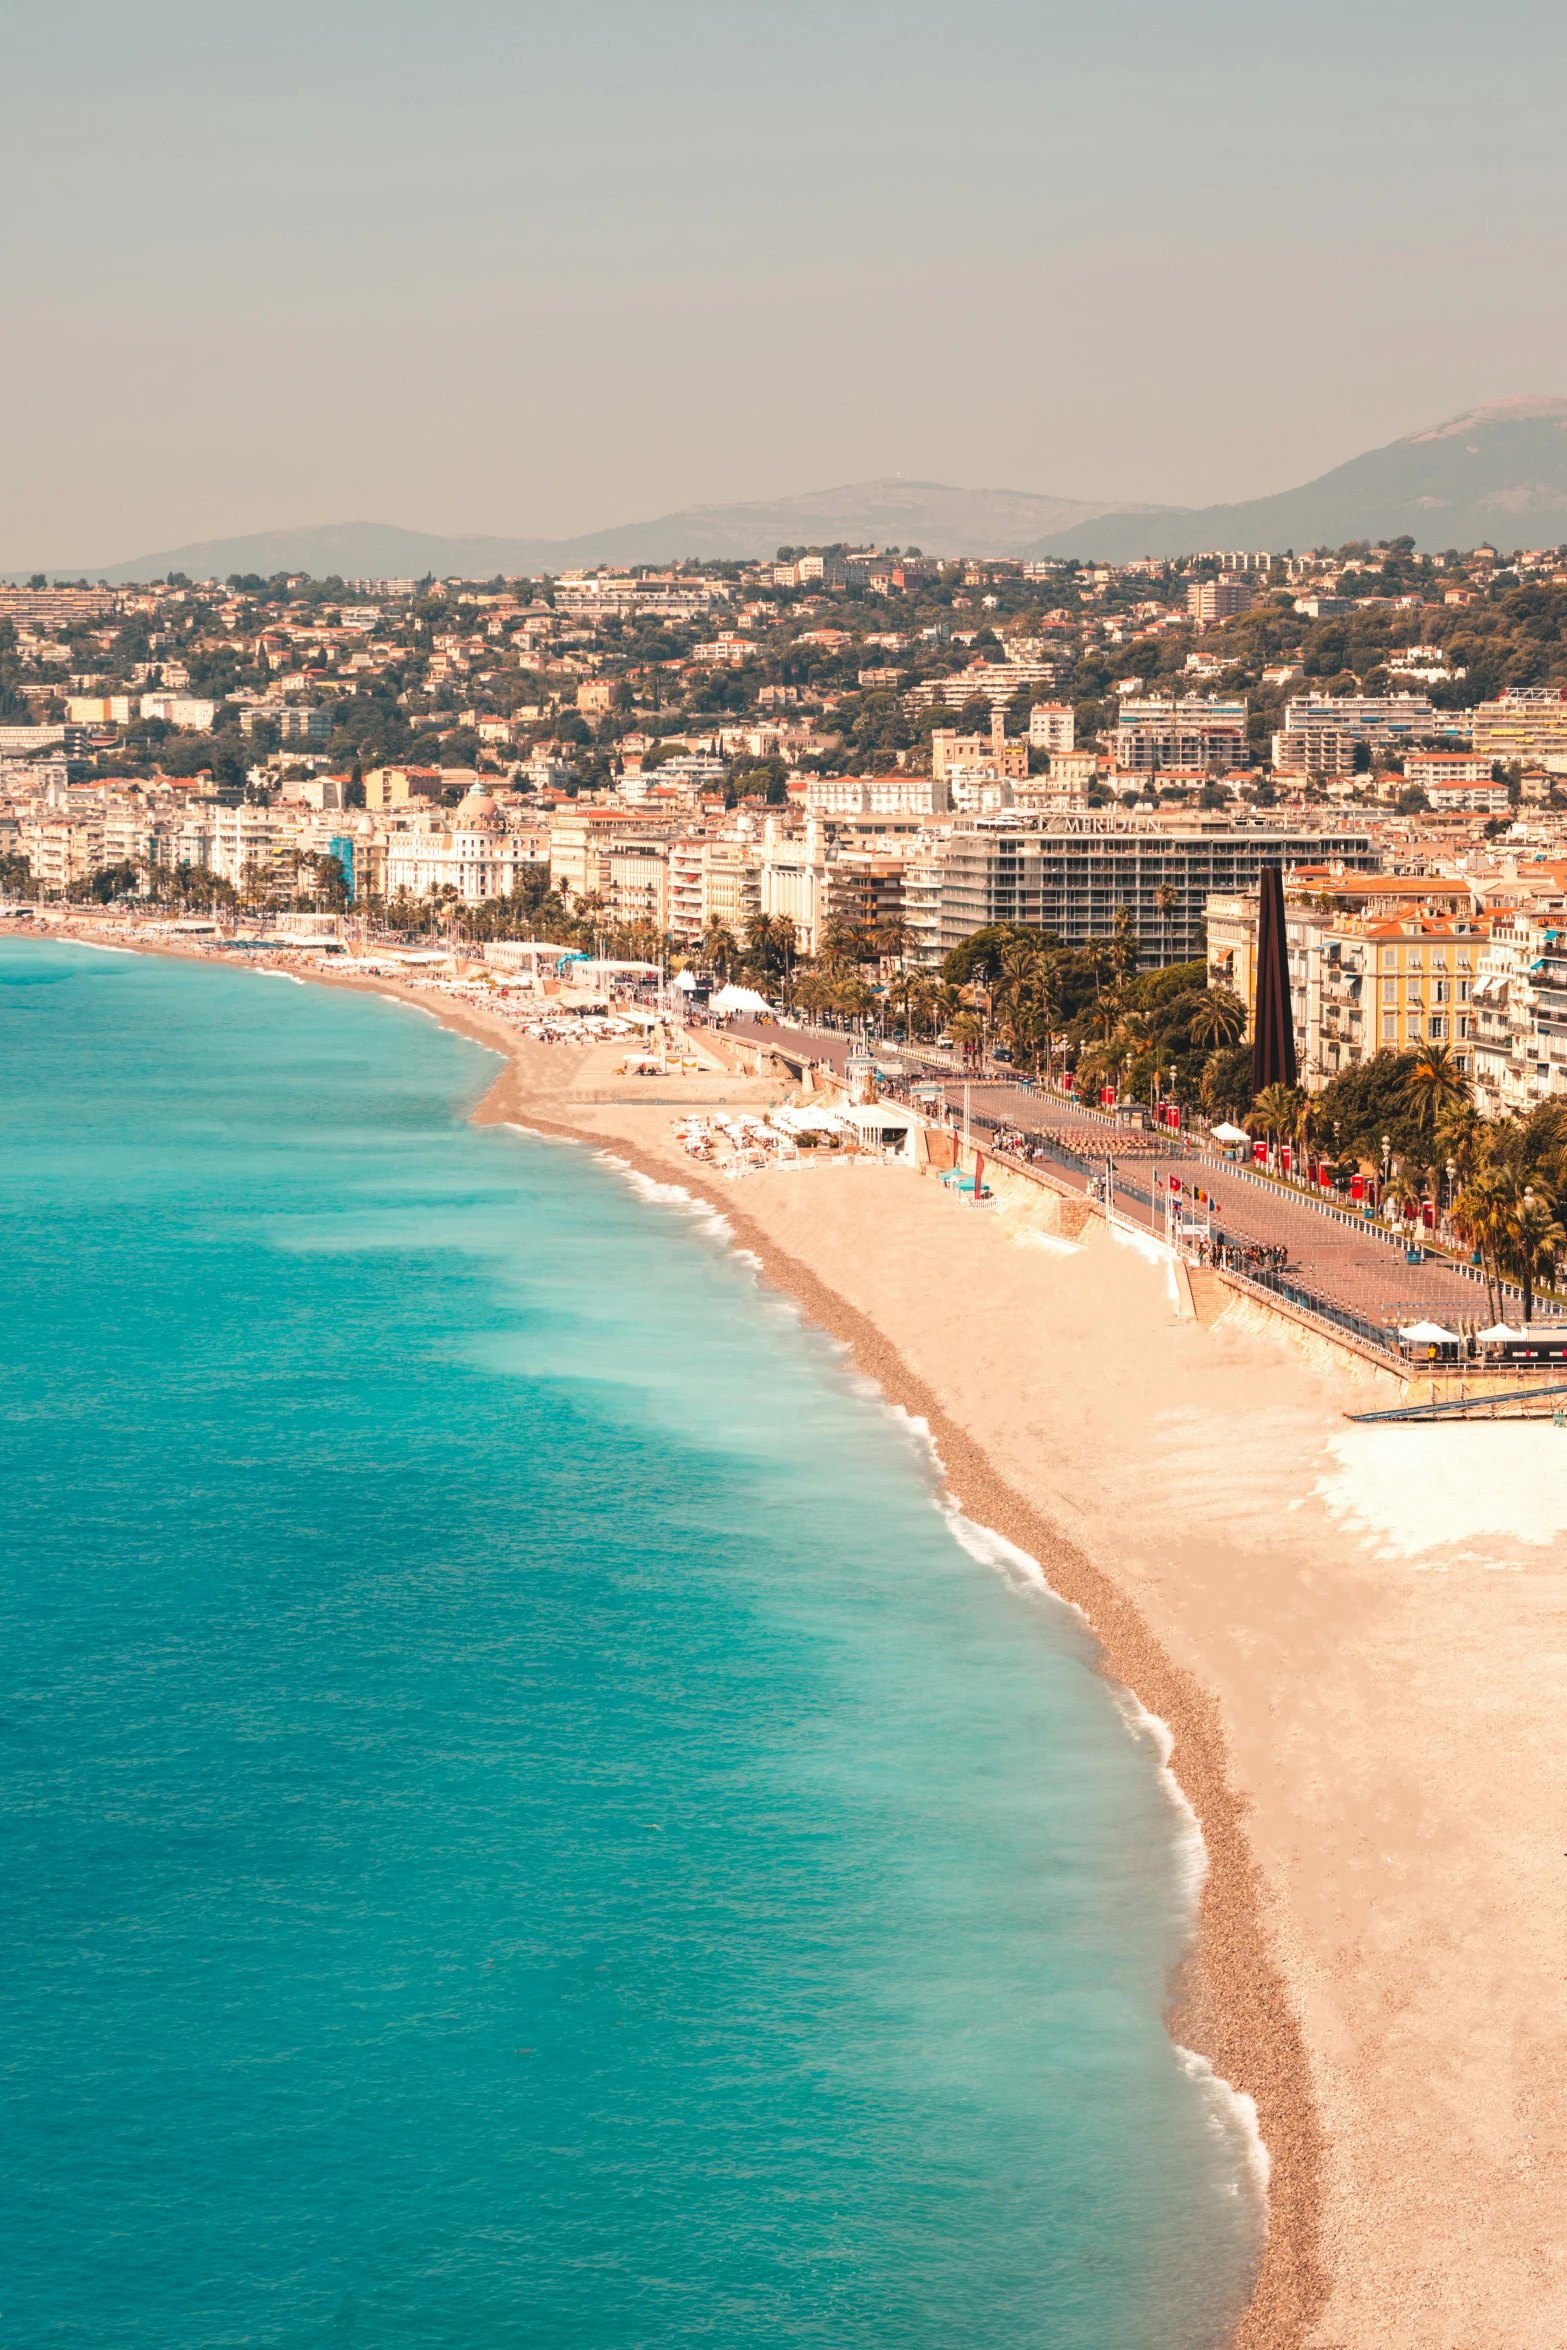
(1387,1153)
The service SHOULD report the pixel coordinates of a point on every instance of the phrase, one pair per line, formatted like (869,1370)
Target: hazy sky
(527,268)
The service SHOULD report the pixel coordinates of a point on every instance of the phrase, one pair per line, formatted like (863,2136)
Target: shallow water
(523,1823)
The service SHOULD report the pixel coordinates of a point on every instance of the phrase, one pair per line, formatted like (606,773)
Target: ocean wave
(535,1133)
(1232,2115)
(675,1195)
(265,971)
(1230,2111)
(1191,1850)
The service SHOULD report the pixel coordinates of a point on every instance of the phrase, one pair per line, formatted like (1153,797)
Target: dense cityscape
(830,771)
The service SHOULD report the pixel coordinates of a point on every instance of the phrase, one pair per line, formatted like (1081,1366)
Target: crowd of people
(1243,1256)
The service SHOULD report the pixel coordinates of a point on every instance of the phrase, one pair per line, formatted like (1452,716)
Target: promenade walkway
(1332,1259)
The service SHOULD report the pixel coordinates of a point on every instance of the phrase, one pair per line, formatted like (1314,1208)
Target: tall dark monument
(1273,1029)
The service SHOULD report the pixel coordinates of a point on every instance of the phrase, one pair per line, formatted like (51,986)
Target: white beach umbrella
(1227,1133)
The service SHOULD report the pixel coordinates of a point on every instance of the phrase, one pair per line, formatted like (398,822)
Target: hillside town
(835,768)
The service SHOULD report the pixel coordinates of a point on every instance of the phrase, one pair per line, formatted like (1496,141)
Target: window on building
(1414,1028)
(1390,991)
(1390,1028)
(1438,1026)
(1439,991)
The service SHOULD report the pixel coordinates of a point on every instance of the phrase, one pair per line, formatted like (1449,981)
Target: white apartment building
(731,884)
(60,849)
(1198,733)
(187,711)
(471,854)
(685,889)
(1520,1011)
(894,794)
(1321,731)
(1208,600)
(634,881)
(1051,727)
(1527,726)
(793,880)
(243,837)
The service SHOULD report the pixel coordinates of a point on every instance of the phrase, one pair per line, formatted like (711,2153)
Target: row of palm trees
(1502,1181)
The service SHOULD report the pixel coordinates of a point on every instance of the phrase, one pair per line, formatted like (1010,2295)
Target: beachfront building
(634,882)
(731,885)
(470,852)
(1360,983)
(792,879)
(1520,1011)
(1073,873)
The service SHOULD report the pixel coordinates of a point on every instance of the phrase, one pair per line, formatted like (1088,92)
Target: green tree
(1220,1018)
(1437,1086)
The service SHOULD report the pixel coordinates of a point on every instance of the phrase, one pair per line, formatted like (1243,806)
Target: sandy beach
(1355,1636)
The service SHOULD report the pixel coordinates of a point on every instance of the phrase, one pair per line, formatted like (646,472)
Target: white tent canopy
(1228,1133)
(876,1115)
(806,1120)
(739,999)
(1428,1334)
(1497,1333)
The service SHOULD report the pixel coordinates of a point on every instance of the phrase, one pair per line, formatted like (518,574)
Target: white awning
(1498,1333)
(1227,1133)
(1429,1334)
(873,1115)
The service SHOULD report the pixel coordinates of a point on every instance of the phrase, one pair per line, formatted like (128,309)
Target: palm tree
(1130,1039)
(1166,898)
(1219,1019)
(718,948)
(891,939)
(1273,1113)
(966,1032)
(841,946)
(1123,947)
(1479,1217)
(1437,1086)
(1533,1238)
(1460,1136)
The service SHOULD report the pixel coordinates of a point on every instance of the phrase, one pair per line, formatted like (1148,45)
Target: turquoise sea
(523,1823)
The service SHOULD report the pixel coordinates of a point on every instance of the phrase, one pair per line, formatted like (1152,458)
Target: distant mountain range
(1497,474)
(871,513)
